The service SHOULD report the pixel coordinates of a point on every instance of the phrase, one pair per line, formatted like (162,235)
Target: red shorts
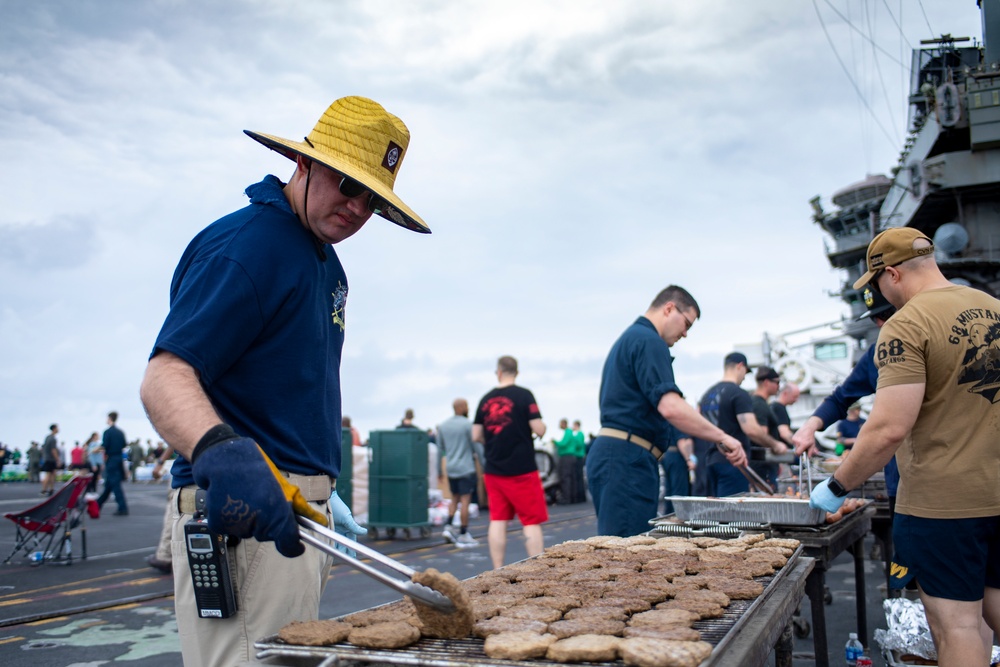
(520,494)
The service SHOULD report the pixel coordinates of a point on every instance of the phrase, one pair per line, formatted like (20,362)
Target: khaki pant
(272,591)
(163,549)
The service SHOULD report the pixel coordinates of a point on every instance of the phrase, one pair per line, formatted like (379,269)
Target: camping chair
(47,527)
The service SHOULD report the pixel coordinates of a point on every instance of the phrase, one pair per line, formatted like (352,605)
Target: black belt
(634,439)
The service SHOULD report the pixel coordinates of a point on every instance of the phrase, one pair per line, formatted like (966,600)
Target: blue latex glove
(344,523)
(244,499)
(822,498)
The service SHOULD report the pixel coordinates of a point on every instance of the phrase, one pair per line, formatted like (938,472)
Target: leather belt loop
(618,434)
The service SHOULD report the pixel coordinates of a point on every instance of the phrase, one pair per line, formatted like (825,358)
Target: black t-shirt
(504,414)
(765,417)
(720,405)
(780,413)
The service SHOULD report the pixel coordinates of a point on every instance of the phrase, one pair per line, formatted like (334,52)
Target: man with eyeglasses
(936,407)
(244,378)
(638,392)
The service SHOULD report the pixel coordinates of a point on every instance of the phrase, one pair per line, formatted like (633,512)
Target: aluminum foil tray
(874,486)
(782,511)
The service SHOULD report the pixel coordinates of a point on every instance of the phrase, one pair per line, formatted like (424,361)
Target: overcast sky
(571,157)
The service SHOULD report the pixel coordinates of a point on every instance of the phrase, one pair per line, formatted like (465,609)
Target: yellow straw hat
(356,137)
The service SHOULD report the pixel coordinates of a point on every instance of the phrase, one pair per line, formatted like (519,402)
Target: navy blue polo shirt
(638,372)
(257,309)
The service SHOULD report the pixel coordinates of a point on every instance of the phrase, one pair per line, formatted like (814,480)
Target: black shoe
(120,513)
(164,566)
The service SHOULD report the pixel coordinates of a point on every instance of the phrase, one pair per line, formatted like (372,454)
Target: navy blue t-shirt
(257,309)
(720,405)
(637,373)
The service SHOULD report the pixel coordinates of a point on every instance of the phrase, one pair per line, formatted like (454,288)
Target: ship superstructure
(947,180)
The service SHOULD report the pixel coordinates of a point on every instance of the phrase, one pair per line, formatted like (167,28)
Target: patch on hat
(876,262)
(869,297)
(393,154)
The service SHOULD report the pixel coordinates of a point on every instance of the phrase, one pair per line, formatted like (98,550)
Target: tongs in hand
(424,594)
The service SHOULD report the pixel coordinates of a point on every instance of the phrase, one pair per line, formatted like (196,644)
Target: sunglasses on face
(352,189)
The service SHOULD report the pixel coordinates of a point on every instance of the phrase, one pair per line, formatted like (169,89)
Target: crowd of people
(108,458)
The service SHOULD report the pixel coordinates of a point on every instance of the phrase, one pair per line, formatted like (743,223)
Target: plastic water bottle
(853,649)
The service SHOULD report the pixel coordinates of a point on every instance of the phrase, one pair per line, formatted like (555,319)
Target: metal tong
(805,474)
(424,594)
(757,482)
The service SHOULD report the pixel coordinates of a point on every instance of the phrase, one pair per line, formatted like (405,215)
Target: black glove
(243,497)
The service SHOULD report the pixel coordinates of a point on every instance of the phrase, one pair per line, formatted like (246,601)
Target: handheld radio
(208,559)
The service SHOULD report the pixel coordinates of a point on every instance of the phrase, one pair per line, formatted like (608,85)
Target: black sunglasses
(352,188)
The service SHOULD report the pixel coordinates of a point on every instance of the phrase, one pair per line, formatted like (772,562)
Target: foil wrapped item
(908,632)
(907,629)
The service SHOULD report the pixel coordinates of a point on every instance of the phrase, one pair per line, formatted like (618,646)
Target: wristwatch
(836,488)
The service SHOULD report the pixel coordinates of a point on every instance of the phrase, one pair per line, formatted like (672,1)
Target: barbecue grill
(823,543)
(744,635)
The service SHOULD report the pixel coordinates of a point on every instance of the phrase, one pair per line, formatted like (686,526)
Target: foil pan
(874,486)
(782,511)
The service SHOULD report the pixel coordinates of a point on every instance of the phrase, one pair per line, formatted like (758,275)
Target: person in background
(727,406)
(580,454)
(459,453)
(162,558)
(113,442)
(506,420)
(244,378)
(565,446)
(638,392)
(788,395)
(136,459)
(95,457)
(768,385)
(859,383)
(51,460)
(345,422)
(848,429)
(407,421)
(676,463)
(34,462)
(935,408)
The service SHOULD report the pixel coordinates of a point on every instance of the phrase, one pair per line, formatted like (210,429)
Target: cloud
(572,158)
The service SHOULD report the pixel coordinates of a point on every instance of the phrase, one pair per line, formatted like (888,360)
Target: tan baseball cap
(892,247)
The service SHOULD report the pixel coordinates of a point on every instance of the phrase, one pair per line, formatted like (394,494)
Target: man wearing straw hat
(937,359)
(244,378)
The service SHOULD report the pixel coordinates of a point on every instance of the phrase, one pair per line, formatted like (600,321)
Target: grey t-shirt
(454,440)
(50,448)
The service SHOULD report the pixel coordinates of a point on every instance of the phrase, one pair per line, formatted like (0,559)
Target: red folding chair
(47,528)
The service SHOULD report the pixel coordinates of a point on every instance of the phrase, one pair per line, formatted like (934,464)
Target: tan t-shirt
(949,340)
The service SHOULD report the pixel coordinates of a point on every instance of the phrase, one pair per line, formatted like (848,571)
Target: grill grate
(469,652)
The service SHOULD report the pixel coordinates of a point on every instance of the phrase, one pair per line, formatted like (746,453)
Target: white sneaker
(449,534)
(466,540)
